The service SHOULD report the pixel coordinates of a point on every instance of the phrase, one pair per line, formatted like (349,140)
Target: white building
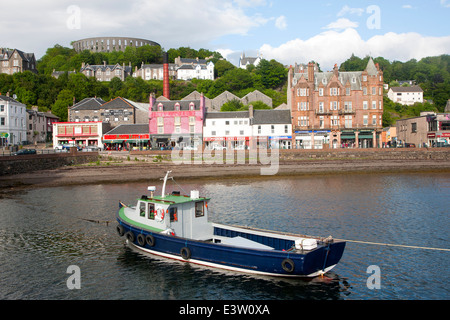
(196,71)
(246,61)
(272,128)
(13,121)
(227,129)
(244,129)
(406,95)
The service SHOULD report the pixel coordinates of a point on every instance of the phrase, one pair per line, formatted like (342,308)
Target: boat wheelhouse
(176,226)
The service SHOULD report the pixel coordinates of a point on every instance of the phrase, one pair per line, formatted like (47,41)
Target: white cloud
(407,6)
(347,10)
(225,53)
(172,23)
(330,47)
(445,3)
(341,24)
(281,23)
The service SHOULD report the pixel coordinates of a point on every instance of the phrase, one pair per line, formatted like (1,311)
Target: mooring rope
(394,245)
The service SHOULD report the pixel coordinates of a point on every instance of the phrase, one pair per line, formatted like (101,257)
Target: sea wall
(288,155)
(10,165)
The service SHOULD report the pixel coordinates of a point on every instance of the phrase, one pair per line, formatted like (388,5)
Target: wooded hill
(269,77)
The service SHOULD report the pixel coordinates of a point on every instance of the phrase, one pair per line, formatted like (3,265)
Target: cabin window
(199,209)
(151,211)
(173,214)
(142,209)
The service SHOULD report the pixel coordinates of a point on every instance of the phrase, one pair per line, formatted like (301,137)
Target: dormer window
(160,107)
(191,106)
(177,106)
(324,80)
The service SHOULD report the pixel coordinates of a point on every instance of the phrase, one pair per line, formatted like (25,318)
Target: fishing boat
(176,226)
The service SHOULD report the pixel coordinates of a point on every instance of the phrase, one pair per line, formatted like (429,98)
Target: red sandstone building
(335,109)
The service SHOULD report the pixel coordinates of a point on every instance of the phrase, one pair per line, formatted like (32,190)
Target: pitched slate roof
(272,116)
(227,114)
(169,105)
(9,99)
(130,129)
(117,103)
(407,89)
(88,104)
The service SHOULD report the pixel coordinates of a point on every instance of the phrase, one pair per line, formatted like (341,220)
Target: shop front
(280,142)
(348,139)
(365,139)
(126,141)
(227,142)
(82,134)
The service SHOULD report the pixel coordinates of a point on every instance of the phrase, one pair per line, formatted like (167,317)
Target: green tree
(63,101)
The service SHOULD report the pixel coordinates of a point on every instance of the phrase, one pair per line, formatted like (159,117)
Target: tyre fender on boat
(130,236)
(185,253)
(150,240)
(120,230)
(288,265)
(141,239)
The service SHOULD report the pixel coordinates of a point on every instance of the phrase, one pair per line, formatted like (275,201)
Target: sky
(289,31)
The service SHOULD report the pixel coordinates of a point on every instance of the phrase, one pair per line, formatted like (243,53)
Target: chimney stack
(311,72)
(166,91)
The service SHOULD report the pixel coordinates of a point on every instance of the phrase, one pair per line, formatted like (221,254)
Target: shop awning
(365,136)
(348,136)
(112,141)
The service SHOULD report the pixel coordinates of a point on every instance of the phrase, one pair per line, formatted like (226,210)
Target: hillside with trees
(269,77)
(432,74)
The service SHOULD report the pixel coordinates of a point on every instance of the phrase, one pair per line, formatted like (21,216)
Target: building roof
(407,89)
(103,67)
(88,104)
(130,129)
(227,114)
(272,116)
(169,105)
(9,99)
(117,103)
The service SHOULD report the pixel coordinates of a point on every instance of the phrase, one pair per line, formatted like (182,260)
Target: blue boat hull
(278,262)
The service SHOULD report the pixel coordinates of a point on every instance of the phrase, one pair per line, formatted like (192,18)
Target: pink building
(176,123)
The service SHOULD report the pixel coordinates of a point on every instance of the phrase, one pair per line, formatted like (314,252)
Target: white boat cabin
(184,216)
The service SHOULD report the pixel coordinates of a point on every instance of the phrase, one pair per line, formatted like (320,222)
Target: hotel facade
(335,109)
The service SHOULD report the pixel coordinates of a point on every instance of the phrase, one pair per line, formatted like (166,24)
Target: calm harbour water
(44,231)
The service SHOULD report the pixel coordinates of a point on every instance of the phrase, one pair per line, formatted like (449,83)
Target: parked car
(24,151)
(410,145)
(218,147)
(91,149)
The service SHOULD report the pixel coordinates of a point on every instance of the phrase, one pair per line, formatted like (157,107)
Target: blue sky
(289,31)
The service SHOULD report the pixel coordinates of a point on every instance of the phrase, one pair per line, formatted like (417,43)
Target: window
(334,120)
(348,121)
(199,209)
(374,104)
(151,211)
(160,107)
(365,120)
(365,105)
(2,108)
(241,132)
(160,121)
(321,122)
(374,120)
(173,214)
(364,78)
(364,90)
(321,107)
(177,121)
(2,121)
(374,90)
(272,129)
(191,120)
(320,92)
(227,123)
(414,127)
(142,209)
(286,129)
(347,91)
(348,106)
(259,129)
(177,107)
(213,133)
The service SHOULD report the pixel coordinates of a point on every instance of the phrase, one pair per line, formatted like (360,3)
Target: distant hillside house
(196,71)
(406,95)
(106,72)
(246,61)
(154,71)
(12,61)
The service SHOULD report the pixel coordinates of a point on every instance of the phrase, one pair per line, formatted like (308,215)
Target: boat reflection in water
(176,226)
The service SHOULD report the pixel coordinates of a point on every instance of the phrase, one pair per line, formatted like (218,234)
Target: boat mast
(164,184)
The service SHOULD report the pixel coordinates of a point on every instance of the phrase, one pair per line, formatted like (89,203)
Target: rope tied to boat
(394,245)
